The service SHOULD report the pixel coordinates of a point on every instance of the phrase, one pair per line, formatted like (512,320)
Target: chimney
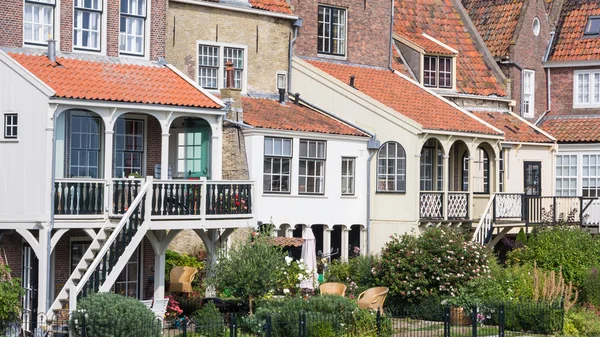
(229,82)
(52,50)
(352,81)
(232,95)
(296,98)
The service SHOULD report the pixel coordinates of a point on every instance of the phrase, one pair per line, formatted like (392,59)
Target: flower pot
(458,316)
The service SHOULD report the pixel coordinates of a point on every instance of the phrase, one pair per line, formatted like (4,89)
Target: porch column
(326,239)
(497,174)
(363,241)
(159,274)
(108,165)
(164,157)
(43,287)
(289,232)
(445,178)
(344,245)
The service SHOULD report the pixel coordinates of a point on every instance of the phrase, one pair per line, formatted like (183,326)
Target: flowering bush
(433,264)
(292,274)
(173,308)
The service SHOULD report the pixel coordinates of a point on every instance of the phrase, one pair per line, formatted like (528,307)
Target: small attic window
(593,26)
(536,27)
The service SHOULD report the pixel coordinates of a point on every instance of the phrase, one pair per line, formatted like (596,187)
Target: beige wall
(515,169)
(266,40)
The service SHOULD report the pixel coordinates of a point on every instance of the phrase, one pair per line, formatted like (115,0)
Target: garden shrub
(10,295)
(209,322)
(538,318)
(337,271)
(321,329)
(590,289)
(581,322)
(434,263)
(356,274)
(112,315)
(560,247)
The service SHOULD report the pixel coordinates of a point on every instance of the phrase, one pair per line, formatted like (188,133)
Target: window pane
(38,22)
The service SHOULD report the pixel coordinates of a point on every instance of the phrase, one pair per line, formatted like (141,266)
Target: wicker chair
(333,288)
(181,279)
(373,298)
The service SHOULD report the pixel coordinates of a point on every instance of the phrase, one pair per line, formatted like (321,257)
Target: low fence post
(233,329)
(83,329)
(446,319)
(474,320)
(378,323)
(501,320)
(302,324)
(185,324)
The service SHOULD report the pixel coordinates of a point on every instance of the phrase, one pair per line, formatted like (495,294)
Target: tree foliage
(10,295)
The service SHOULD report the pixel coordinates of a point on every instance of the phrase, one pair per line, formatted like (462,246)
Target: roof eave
(77,102)
(239,9)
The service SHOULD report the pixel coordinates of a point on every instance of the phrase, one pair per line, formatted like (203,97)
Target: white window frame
(221,64)
(10,124)
(592,92)
(144,33)
(138,138)
(397,163)
(349,175)
(566,168)
(528,99)
(317,160)
(39,5)
(438,72)
(590,179)
(78,8)
(272,155)
(341,37)
(482,172)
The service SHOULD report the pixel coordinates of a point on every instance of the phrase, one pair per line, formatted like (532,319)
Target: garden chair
(160,307)
(147,303)
(181,279)
(333,288)
(373,298)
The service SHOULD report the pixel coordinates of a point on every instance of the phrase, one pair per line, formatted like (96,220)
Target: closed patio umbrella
(310,259)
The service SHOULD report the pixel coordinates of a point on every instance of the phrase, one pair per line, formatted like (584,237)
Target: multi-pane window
(533,178)
(437,72)
(189,153)
(501,169)
(211,66)
(127,282)
(482,172)
(427,169)
(590,183)
(11,126)
(332,31)
(586,89)
(86,24)
(391,168)
(528,93)
(133,19)
(38,21)
(85,146)
(432,166)
(311,175)
(277,164)
(348,166)
(465,172)
(440,170)
(129,147)
(566,175)
(593,26)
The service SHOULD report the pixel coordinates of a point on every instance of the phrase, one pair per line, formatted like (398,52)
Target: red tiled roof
(515,130)
(279,6)
(584,129)
(398,65)
(570,44)
(439,19)
(496,21)
(270,114)
(111,81)
(406,98)
(426,44)
(286,242)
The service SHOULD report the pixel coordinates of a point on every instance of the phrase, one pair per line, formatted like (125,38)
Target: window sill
(389,192)
(332,57)
(9,140)
(302,196)
(586,106)
(348,197)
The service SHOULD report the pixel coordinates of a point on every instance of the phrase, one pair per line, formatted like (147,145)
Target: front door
(29,282)
(533,178)
(193,152)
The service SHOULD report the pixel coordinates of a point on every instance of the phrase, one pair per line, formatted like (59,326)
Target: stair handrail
(483,227)
(113,236)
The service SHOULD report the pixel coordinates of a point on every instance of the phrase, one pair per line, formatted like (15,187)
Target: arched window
(391,168)
(482,172)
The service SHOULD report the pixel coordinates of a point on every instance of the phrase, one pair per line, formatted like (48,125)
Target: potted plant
(135,175)
(461,307)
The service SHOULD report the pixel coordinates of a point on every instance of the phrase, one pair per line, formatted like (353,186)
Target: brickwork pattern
(11,247)
(66,25)
(562,93)
(158,29)
(153,145)
(266,39)
(235,165)
(11,23)
(368,30)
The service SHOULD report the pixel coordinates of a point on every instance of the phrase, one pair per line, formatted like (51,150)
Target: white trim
(552,145)
(26,74)
(238,9)
(302,134)
(591,74)
(190,81)
(571,64)
(4,126)
(440,43)
(408,43)
(221,68)
(140,107)
(531,94)
(55,24)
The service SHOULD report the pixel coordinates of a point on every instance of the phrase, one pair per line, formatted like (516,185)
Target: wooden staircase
(107,255)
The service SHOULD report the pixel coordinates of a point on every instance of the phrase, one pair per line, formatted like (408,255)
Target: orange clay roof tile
(270,114)
(406,97)
(496,21)
(570,43)
(515,130)
(581,129)
(439,19)
(111,81)
(279,6)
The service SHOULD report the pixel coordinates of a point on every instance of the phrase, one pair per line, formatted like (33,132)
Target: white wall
(517,156)
(24,163)
(329,209)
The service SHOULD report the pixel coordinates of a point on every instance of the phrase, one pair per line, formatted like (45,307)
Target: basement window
(593,26)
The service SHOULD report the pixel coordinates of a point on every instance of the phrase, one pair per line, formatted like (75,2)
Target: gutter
(239,124)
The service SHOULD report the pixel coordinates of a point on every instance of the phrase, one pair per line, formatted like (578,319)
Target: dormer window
(437,72)
(593,26)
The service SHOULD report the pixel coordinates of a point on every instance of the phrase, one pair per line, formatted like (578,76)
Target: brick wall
(154,141)
(158,29)
(368,29)
(528,51)
(11,248)
(66,25)
(235,166)
(562,93)
(11,26)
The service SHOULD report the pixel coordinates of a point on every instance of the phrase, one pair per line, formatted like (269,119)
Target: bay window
(586,89)
(133,23)
(311,175)
(86,24)
(38,21)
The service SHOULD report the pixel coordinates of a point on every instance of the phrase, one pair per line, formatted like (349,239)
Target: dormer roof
(571,43)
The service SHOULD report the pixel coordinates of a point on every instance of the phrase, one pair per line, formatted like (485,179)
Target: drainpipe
(52,193)
(391,36)
(297,24)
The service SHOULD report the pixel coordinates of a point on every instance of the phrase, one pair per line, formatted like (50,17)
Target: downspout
(369,200)
(52,193)
(297,24)
(391,36)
